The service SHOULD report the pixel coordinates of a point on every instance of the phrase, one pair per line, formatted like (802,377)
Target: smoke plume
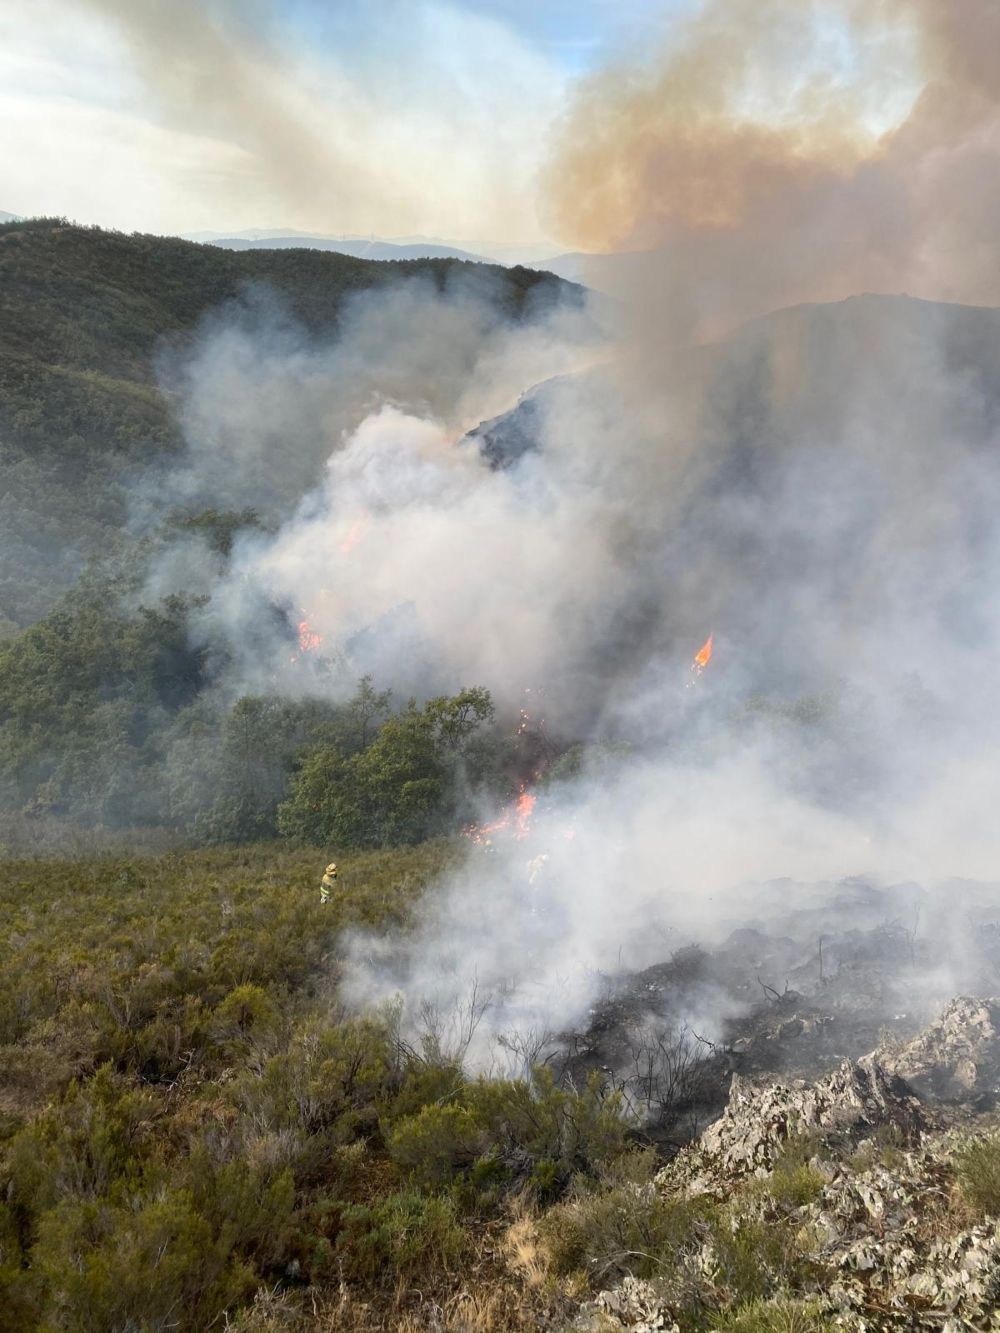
(782,152)
(818,488)
(308,124)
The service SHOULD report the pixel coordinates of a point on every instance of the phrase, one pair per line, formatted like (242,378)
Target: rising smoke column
(816,492)
(336,121)
(780,152)
(815,487)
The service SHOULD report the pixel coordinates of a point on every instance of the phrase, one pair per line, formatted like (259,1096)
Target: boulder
(634,1305)
(854,1102)
(957,1057)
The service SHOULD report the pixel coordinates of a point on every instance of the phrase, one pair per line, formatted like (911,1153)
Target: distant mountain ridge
(356,247)
(382,247)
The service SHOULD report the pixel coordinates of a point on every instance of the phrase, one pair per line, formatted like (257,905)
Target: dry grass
(525,1254)
(504,1288)
(496,1306)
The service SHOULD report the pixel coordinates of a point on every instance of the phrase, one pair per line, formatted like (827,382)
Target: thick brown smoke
(784,151)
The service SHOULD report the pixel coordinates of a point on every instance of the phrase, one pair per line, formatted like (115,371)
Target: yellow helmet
(331,869)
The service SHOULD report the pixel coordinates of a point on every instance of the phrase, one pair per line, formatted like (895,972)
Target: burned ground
(867,969)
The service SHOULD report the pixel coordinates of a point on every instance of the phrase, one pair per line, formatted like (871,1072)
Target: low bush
(777,1316)
(626,1228)
(403,1237)
(977,1166)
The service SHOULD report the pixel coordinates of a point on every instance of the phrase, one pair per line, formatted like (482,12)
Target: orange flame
(524,808)
(309,640)
(515,819)
(703,656)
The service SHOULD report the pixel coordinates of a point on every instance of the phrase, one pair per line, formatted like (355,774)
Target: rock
(636,1306)
(879,1238)
(854,1101)
(956,1058)
(961,1272)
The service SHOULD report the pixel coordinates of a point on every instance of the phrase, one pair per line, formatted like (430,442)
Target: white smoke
(590,572)
(819,489)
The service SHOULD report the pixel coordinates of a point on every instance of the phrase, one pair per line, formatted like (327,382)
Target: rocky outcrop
(852,1103)
(957,1057)
(635,1305)
(884,1237)
(874,1233)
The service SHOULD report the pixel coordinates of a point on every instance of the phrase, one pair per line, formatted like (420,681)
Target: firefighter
(328,882)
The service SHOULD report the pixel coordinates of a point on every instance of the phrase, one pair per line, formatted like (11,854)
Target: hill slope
(83,313)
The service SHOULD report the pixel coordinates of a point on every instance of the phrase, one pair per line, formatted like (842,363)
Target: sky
(385,117)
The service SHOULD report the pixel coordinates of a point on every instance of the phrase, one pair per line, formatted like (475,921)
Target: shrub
(777,1316)
(756,1257)
(247,1011)
(977,1166)
(437,1143)
(331,1076)
(534,1120)
(97,1140)
(399,1238)
(627,1228)
(140,1266)
(795,1186)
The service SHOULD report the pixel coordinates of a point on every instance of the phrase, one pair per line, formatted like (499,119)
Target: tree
(364,711)
(312,811)
(406,785)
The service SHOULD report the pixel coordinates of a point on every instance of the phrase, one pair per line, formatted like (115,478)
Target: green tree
(405,786)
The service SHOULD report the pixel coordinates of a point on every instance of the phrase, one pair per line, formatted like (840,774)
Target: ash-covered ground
(830,974)
(848,1107)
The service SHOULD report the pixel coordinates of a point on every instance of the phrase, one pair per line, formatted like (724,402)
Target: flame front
(514,820)
(357,531)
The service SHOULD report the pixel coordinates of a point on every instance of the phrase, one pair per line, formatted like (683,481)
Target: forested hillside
(84,314)
(111,708)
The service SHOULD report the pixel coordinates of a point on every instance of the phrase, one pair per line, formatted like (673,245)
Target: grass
(191,1121)
(977,1168)
(777,1316)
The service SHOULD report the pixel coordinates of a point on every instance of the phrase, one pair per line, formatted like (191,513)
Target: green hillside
(83,314)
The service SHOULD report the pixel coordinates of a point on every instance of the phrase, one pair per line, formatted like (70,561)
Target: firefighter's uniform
(328,883)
